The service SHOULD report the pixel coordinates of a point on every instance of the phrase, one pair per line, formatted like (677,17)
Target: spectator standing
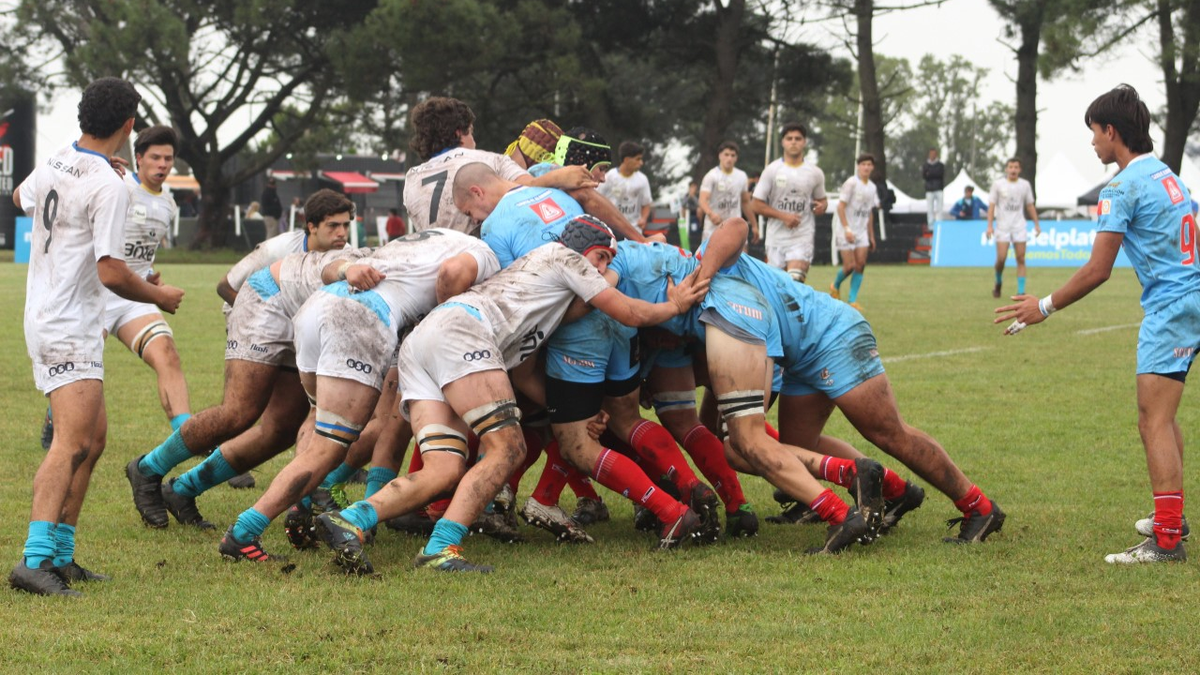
(271,207)
(395,225)
(969,207)
(934,173)
(690,204)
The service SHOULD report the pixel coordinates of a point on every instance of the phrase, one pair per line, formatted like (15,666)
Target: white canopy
(1059,184)
(954,190)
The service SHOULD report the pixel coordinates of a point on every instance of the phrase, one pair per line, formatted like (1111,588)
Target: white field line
(971,350)
(1105,329)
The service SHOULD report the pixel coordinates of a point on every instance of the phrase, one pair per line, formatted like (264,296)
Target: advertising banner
(24,239)
(1062,243)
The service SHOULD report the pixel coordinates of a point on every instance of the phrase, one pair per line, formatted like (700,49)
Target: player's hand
(872,245)
(686,294)
(154,278)
(990,232)
(755,237)
(656,237)
(849,235)
(119,165)
(1037,230)
(169,298)
(819,208)
(597,425)
(363,277)
(572,178)
(791,220)
(1024,313)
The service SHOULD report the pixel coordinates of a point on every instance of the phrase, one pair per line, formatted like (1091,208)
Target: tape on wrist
(1046,305)
(341,270)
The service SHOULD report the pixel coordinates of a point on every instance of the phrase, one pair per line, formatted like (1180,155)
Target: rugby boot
(300,528)
(183,508)
(894,509)
(867,490)
(555,521)
(589,511)
(235,550)
(497,527)
(1147,552)
(449,559)
(685,528)
(794,512)
(842,536)
(242,481)
(644,520)
(416,523)
(1145,527)
(834,292)
(741,523)
(707,505)
(41,580)
(333,499)
(346,541)
(147,495)
(73,572)
(975,528)
(996,291)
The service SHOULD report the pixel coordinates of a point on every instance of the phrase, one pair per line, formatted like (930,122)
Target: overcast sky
(967,27)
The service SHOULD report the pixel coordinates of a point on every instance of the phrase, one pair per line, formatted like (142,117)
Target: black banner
(18,130)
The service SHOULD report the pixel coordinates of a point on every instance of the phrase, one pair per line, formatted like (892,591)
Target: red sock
(582,486)
(893,484)
(708,452)
(1168,518)
(437,509)
(554,476)
(657,448)
(830,507)
(416,463)
(974,501)
(838,471)
(533,450)
(771,431)
(619,474)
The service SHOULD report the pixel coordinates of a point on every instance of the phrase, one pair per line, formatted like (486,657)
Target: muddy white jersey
(265,255)
(300,275)
(526,301)
(149,216)
(78,204)
(1010,200)
(429,188)
(629,195)
(410,267)
(860,198)
(791,189)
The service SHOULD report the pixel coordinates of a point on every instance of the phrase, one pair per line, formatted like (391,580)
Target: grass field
(1044,422)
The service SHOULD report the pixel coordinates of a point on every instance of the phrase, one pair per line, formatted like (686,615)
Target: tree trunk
(1182,81)
(212,227)
(719,114)
(1027,74)
(873,133)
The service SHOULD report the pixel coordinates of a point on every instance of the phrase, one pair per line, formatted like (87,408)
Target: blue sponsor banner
(24,239)
(1062,243)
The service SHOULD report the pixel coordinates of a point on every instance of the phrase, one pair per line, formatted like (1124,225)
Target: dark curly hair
(106,105)
(1124,110)
(155,135)
(437,123)
(324,203)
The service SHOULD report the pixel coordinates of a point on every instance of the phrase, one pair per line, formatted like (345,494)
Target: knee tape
(441,438)
(488,418)
(798,275)
(337,428)
(740,403)
(147,335)
(670,401)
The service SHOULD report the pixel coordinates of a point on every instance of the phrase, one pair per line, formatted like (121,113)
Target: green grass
(1044,422)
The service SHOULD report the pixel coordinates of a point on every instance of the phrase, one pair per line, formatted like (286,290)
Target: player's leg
(859,255)
(1019,254)
(1001,256)
(64,534)
(150,339)
(845,271)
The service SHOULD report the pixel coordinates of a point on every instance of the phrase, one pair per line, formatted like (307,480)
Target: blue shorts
(1169,338)
(841,361)
(744,308)
(593,349)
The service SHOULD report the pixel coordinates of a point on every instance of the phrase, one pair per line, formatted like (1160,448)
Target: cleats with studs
(1147,552)
(741,523)
(147,495)
(449,559)
(183,508)
(235,550)
(975,527)
(300,528)
(346,540)
(40,580)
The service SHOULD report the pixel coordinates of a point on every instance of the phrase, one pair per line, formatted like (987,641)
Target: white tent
(954,190)
(1060,184)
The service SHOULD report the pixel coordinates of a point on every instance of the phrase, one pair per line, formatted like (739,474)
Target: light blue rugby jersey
(525,219)
(643,270)
(1148,204)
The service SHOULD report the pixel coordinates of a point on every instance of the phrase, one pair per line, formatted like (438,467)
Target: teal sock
(338,476)
(841,276)
(1020,285)
(165,457)
(250,525)
(306,502)
(360,514)
(39,544)
(210,473)
(999,277)
(855,284)
(178,420)
(377,477)
(445,533)
(64,544)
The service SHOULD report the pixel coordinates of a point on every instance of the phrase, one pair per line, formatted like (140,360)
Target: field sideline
(1045,422)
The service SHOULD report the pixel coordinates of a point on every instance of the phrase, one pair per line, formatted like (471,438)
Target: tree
(221,72)
(1179,58)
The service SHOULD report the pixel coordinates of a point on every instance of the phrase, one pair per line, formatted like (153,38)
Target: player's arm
(820,206)
(225,290)
(991,216)
(750,216)
(360,276)
(1029,310)
(563,178)
(705,200)
(455,276)
(871,227)
(763,208)
(118,278)
(723,248)
(1031,209)
(644,220)
(598,205)
(638,313)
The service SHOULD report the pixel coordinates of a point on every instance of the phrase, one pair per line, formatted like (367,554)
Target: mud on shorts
(257,330)
(842,361)
(451,342)
(348,337)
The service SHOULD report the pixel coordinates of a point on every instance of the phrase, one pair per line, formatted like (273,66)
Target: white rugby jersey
(78,204)
(791,189)
(526,301)
(860,198)
(429,188)
(410,266)
(629,195)
(1010,200)
(724,193)
(300,275)
(265,254)
(149,216)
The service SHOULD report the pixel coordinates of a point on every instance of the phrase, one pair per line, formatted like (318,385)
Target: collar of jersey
(75,144)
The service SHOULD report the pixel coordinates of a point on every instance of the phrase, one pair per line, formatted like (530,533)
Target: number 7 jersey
(1149,205)
(429,188)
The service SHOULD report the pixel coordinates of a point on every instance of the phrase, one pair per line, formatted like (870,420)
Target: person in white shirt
(856,234)
(723,193)
(1010,200)
(628,188)
(791,193)
(79,204)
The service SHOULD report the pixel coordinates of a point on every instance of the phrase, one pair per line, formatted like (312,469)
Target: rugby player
(1010,200)
(723,193)
(791,194)
(856,213)
(629,189)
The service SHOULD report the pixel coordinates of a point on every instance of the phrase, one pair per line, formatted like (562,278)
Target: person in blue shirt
(1146,209)
(969,207)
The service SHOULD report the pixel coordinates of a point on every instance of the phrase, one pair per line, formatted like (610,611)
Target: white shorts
(862,239)
(50,376)
(341,337)
(257,330)
(453,341)
(1012,235)
(777,256)
(118,311)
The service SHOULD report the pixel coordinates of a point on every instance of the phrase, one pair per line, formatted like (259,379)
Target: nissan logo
(477,356)
(359,366)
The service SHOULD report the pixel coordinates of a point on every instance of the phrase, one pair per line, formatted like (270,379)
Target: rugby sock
(830,507)
(999,277)
(974,501)
(841,276)
(655,445)
(838,471)
(1168,518)
(893,485)
(437,509)
(709,455)
(306,502)
(165,457)
(619,474)
(361,515)
(582,487)
(417,462)
(377,477)
(1020,285)
(178,420)
(208,474)
(338,476)
(39,544)
(250,525)
(64,544)
(533,451)
(445,533)
(554,476)
(771,431)
(855,284)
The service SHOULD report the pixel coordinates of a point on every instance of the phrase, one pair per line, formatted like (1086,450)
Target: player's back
(643,270)
(410,266)
(429,188)
(300,275)
(525,219)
